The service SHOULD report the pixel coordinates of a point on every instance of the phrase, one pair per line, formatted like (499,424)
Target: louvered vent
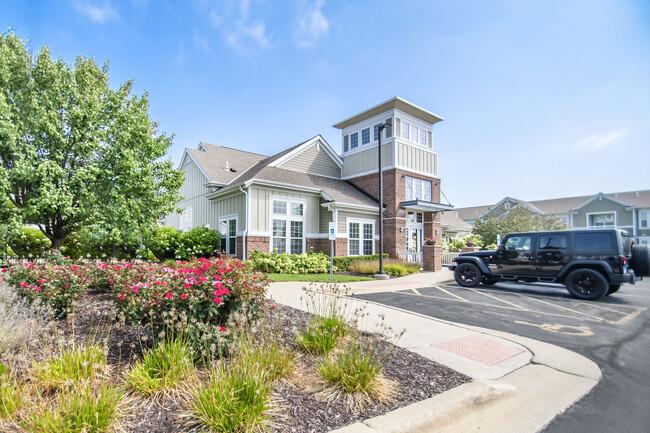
(398,127)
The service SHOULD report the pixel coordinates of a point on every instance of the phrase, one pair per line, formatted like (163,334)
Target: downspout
(243,242)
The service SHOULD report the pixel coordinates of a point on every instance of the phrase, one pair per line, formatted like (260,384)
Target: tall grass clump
(74,365)
(235,400)
(329,324)
(266,355)
(162,368)
(11,395)
(392,267)
(93,409)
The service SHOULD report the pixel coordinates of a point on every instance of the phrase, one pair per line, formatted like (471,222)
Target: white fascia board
(189,155)
(354,207)
(600,195)
(306,146)
(274,184)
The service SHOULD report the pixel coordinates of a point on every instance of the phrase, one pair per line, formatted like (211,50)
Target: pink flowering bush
(58,286)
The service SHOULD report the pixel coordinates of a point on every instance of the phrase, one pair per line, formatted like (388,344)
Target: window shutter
(398,127)
(345,143)
(429,139)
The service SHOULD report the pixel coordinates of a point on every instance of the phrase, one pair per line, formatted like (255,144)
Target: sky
(541,99)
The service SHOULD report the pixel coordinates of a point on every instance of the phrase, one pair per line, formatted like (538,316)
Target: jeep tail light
(623,261)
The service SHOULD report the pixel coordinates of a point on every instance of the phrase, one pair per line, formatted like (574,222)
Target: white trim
(227,219)
(353,207)
(306,145)
(601,213)
(288,218)
(180,166)
(293,187)
(366,147)
(365,173)
(600,195)
(361,239)
(390,167)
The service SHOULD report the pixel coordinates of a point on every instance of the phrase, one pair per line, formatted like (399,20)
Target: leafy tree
(76,153)
(518,219)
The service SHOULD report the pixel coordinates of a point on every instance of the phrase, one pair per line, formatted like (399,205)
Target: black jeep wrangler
(590,263)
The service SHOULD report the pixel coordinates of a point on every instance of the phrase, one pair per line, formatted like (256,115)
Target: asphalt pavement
(612,332)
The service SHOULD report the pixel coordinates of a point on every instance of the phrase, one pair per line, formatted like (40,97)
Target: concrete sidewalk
(519,384)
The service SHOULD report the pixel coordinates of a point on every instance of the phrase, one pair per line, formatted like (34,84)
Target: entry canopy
(426,206)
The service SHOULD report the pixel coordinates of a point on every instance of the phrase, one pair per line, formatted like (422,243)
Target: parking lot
(613,331)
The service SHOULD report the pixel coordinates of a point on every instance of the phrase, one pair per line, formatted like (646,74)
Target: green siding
(414,158)
(260,211)
(367,160)
(623,218)
(342,224)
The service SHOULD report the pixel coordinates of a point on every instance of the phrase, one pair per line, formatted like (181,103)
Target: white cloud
(215,18)
(245,33)
(312,24)
(601,140)
(97,13)
(232,19)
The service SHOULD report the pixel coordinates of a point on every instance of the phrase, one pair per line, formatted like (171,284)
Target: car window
(518,243)
(552,242)
(594,241)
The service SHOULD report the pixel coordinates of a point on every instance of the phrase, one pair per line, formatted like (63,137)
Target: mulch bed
(301,411)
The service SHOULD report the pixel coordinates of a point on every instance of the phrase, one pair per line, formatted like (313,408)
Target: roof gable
(601,196)
(314,156)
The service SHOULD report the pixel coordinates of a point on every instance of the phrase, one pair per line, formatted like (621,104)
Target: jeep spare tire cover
(640,260)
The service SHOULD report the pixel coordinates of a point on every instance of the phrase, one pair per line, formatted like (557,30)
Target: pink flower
(218,300)
(122,297)
(169,296)
(202,279)
(184,296)
(4,270)
(274,306)
(23,284)
(255,278)
(38,289)
(222,270)
(40,281)
(29,265)
(218,285)
(217,277)
(135,290)
(188,285)
(222,329)
(128,265)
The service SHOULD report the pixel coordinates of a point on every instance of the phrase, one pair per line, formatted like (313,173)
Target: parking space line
(630,316)
(416,292)
(451,294)
(572,310)
(500,300)
(595,305)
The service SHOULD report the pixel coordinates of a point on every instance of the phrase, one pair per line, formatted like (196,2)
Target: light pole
(381,274)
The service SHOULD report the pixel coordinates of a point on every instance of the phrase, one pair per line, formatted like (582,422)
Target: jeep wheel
(586,284)
(467,275)
(613,288)
(488,281)
(640,260)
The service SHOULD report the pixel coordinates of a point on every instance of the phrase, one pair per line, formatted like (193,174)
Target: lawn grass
(317,278)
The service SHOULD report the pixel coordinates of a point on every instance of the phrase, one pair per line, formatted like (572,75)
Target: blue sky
(541,99)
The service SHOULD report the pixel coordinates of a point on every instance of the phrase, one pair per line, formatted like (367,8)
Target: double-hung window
(600,220)
(644,219)
(376,132)
(228,230)
(418,189)
(288,222)
(361,237)
(186,220)
(406,131)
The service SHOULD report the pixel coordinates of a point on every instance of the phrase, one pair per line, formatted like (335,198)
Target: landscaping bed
(300,399)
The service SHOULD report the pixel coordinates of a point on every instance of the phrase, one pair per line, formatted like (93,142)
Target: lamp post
(381,274)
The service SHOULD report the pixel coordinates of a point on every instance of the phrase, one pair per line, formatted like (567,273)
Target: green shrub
(343,263)
(322,335)
(163,242)
(169,243)
(29,242)
(305,263)
(75,364)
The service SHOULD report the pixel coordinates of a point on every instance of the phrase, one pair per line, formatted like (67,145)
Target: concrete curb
(521,394)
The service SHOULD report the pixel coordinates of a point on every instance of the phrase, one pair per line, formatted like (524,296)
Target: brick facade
(394,186)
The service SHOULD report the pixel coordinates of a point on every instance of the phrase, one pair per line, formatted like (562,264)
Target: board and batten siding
(313,160)
(231,205)
(415,158)
(325,218)
(366,160)
(194,194)
(342,225)
(623,217)
(261,212)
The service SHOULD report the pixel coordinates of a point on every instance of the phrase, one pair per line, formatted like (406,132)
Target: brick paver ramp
(479,349)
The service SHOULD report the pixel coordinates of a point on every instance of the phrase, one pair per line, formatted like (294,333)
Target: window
(361,238)
(418,189)
(414,133)
(228,230)
(601,220)
(389,129)
(644,219)
(552,242)
(518,243)
(406,130)
(354,140)
(564,219)
(345,143)
(414,217)
(594,241)
(423,137)
(186,220)
(644,240)
(365,136)
(287,224)
(376,132)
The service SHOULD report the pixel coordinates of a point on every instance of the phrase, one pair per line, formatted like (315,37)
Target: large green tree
(517,219)
(76,153)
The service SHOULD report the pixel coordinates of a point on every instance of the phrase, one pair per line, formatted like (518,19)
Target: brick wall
(432,257)
(394,187)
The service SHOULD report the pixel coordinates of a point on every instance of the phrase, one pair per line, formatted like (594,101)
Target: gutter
(247,224)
